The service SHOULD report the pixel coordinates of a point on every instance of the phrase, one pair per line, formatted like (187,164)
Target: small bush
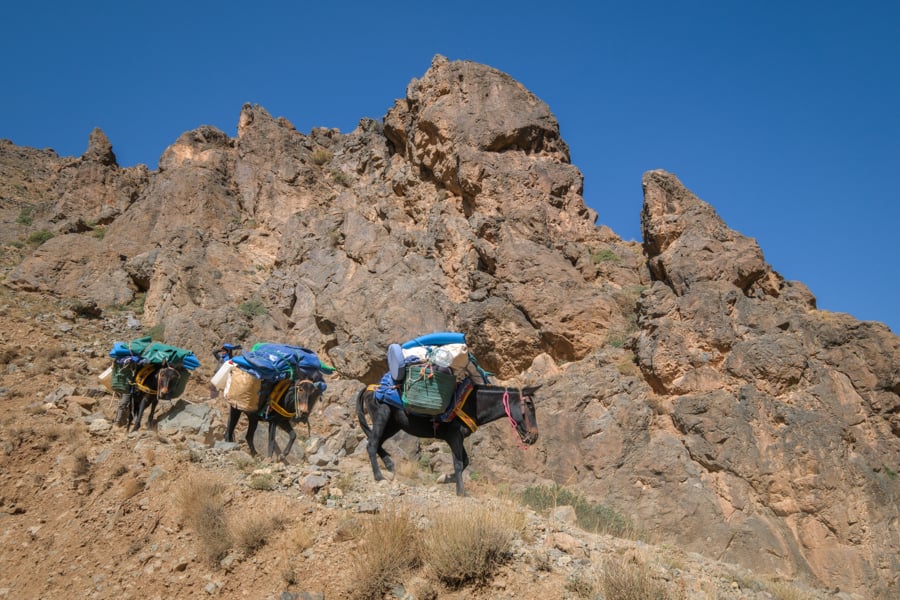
(158,332)
(137,304)
(80,464)
(634,581)
(253,530)
(320,156)
(604,256)
(781,590)
(629,368)
(252,308)
(131,487)
(263,481)
(590,516)
(388,552)
(582,584)
(340,178)
(39,237)
(464,546)
(25,216)
(201,502)
(301,538)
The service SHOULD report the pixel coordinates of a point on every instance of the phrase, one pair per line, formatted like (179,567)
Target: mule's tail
(361,411)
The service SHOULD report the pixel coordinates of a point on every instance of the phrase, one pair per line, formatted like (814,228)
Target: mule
(151,383)
(295,405)
(486,403)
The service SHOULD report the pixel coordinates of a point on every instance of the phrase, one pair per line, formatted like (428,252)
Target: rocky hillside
(686,385)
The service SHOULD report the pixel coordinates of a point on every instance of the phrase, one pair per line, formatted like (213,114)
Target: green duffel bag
(123,377)
(427,390)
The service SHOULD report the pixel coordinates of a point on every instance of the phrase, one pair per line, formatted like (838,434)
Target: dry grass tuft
(388,552)
(201,502)
(253,530)
(263,481)
(301,538)
(782,590)
(80,464)
(320,156)
(467,544)
(131,487)
(633,580)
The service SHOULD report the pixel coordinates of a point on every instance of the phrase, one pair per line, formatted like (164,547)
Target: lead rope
(511,420)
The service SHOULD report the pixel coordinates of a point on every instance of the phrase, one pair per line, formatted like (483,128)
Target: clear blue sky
(785,116)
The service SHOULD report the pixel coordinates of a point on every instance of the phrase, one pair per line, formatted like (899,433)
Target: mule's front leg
(460,462)
(292,436)
(151,418)
(140,413)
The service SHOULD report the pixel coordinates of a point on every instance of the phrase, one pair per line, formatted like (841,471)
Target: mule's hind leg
(382,429)
(233,416)
(387,434)
(253,421)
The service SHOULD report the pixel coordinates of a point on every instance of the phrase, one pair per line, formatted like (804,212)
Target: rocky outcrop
(686,384)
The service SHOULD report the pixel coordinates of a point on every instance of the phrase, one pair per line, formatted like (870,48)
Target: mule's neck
(488,403)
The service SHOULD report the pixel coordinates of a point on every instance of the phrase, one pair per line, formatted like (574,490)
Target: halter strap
(510,417)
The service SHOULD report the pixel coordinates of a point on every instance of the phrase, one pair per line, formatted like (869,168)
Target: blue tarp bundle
(274,362)
(148,351)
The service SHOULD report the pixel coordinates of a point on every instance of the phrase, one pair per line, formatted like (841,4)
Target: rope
(510,417)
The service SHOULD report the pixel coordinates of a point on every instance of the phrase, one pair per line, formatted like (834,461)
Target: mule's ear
(529,391)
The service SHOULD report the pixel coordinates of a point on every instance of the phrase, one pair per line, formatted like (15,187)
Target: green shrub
(340,178)
(158,332)
(605,255)
(263,481)
(252,308)
(25,216)
(39,237)
(137,303)
(590,516)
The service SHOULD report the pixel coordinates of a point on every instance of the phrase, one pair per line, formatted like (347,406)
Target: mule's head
(525,417)
(306,394)
(166,379)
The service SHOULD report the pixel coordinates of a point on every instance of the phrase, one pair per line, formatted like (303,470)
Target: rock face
(686,384)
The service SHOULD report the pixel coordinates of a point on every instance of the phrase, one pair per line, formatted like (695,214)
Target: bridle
(528,436)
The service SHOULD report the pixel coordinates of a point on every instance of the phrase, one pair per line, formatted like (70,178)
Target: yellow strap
(142,376)
(458,412)
(275,397)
